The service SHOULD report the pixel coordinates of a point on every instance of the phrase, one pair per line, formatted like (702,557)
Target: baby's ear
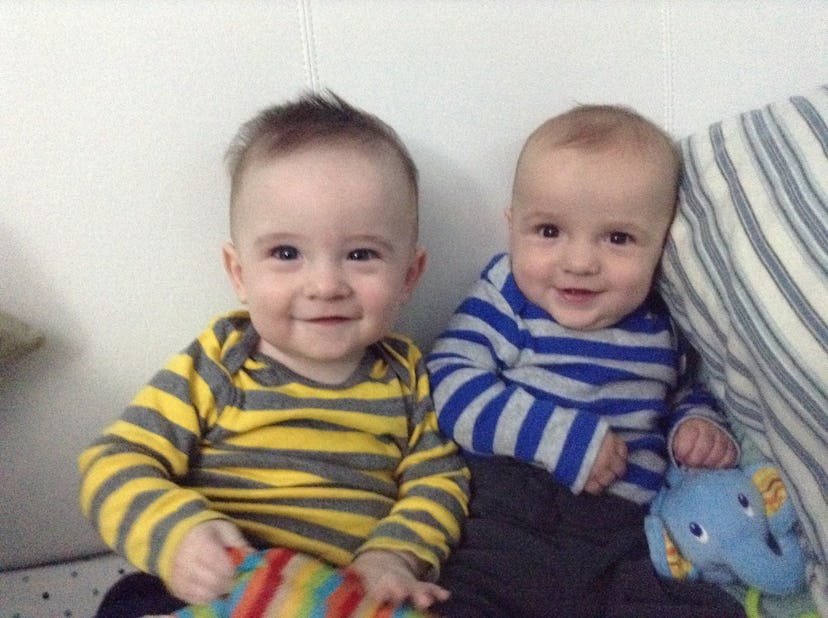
(415,272)
(233,267)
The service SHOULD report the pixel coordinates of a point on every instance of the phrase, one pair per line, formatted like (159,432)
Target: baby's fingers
(428,594)
(618,464)
(722,453)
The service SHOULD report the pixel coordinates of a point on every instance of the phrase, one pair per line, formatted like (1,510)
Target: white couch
(115,117)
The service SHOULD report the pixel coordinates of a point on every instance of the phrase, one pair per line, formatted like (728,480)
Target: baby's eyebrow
(627,226)
(371,239)
(639,233)
(351,242)
(539,215)
(274,238)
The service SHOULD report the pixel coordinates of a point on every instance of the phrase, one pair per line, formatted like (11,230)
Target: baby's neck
(328,372)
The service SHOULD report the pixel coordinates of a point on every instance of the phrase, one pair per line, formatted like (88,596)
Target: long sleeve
(225,432)
(131,487)
(433,480)
(484,404)
(690,399)
(508,380)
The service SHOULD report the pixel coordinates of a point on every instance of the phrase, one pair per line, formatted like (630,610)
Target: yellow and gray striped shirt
(225,432)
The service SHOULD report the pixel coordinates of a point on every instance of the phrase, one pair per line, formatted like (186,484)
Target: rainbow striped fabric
(280,583)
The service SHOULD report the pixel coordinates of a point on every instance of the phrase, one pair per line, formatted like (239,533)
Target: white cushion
(745,273)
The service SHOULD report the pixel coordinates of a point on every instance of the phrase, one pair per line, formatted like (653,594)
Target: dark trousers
(533,549)
(136,595)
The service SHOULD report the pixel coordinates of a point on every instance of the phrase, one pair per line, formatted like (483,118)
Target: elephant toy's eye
(700,533)
(746,505)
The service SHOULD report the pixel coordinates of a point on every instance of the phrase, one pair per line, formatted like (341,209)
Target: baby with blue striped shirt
(566,383)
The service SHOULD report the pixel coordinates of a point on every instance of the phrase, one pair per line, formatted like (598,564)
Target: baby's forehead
(647,154)
(383,156)
(261,170)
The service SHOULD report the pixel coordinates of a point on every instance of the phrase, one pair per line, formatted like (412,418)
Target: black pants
(136,595)
(533,549)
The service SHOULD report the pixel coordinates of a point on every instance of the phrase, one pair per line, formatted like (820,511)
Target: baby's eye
(285,252)
(549,231)
(620,238)
(362,255)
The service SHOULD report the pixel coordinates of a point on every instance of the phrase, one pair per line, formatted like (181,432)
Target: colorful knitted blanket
(281,583)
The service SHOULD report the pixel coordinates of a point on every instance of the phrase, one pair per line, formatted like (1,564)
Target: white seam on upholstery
(308,44)
(668,65)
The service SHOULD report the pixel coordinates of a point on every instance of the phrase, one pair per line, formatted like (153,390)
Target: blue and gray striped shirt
(508,380)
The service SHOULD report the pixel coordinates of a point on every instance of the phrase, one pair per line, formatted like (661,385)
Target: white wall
(114,117)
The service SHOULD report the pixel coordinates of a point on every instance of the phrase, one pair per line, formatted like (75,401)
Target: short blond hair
(598,127)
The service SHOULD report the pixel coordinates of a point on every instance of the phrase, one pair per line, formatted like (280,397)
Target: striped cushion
(281,582)
(745,273)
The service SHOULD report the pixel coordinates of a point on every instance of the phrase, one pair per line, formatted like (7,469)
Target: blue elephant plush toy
(727,526)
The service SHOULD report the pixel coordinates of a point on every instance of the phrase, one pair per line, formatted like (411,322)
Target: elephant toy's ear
(769,484)
(778,508)
(665,556)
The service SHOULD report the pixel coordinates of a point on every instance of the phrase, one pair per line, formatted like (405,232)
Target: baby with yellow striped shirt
(301,422)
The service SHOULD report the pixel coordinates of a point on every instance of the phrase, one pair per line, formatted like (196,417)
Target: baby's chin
(585,323)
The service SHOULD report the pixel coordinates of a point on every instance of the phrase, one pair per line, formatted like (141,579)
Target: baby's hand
(699,443)
(609,465)
(201,569)
(388,577)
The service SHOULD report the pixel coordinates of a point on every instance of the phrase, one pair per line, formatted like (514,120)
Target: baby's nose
(325,280)
(581,258)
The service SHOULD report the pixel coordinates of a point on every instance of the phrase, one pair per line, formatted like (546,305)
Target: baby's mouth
(331,319)
(577,293)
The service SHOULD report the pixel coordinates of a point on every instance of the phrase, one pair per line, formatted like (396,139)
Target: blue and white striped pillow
(745,274)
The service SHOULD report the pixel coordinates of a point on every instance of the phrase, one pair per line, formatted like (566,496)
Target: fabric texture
(70,588)
(280,582)
(549,553)
(224,432)
(509,380)
(16,338)
(745,273)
